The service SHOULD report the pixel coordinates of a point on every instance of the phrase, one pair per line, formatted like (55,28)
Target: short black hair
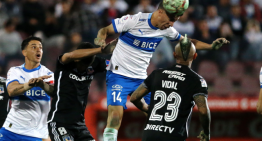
(170,15)
(85,45)
(27,40)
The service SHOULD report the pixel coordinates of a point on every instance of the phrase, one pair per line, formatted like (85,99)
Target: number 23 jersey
(172,102)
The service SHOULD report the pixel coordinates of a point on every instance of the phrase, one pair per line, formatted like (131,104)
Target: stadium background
(231,72)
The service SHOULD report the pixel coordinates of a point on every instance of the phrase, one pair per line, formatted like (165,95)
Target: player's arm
(215,45)
(137,98)
(16,89)
(39,82)
(204,115)
(82,53)
(102,35)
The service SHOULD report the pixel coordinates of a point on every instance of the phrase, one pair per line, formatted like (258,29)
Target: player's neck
(184,63)
(154,19)
(31,65)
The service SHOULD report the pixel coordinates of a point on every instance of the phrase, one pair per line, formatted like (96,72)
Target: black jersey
(172,91)
(4,101)
(71,91)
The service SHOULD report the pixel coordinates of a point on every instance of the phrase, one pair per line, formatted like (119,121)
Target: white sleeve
(125,23)
(51,79)
(172,34)
(13,75)
(260,78)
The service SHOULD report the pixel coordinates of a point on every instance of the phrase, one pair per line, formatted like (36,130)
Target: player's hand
(219,42)
(100,42)
(109,48)
(203,137)
(38,82)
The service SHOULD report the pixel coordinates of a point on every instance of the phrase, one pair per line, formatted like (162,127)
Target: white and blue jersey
(136,45)
(28,114)
(260,78)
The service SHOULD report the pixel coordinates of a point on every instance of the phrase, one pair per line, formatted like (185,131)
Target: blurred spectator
(119,5)
(110,13)
(92,5)
(236,21)
(85,22)
(11,8)
(33,16)
(224,8)
(253,35)
(3,15)
(250,10)
(144,6)
(213,20)
(10,40)
(64,19)
(184,25)
(73,42)
(259,3)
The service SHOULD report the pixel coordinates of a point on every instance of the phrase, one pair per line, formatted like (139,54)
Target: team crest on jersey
(203,83)
(67,138)
(2,90)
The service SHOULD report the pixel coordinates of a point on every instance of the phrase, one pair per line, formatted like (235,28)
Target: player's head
(185,51)
(32,49)
(170,11)
(88,60)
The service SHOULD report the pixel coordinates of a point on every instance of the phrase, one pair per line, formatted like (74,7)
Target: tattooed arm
(15,89)
(204,115)
(137,98)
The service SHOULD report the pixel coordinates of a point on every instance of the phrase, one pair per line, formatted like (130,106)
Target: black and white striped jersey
(172,91)
(71,91)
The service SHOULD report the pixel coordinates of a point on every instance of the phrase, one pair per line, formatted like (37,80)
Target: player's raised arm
(259,102)
(102,35)
(219,42)
(91,51)
(204,115)
(137,98)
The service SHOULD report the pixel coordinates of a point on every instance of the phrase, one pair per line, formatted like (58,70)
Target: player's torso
(70,94)
(171,104)
(28,114)
(135,48)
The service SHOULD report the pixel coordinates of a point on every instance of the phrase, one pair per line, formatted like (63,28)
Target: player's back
(172,102)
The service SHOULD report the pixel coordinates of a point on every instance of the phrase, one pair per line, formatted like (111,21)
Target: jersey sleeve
(200,87)
(173,34)
(51,79)
(148,81)
(260,78)
(125,23)
(100,64)
(13,75)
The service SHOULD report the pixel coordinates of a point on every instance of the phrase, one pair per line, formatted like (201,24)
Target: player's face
(34,51)
(167,21)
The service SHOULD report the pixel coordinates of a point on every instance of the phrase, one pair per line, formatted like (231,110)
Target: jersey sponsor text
(160,128)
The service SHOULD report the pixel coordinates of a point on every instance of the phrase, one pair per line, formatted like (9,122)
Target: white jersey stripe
(56,135)
(58,98)
(188,118)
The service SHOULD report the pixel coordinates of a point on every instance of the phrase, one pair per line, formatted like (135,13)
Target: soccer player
(27,118)
(175,91)
(4,101)
(73,75)
(140,35)
(259,103)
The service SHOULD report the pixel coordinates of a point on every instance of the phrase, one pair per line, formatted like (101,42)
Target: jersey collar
(149,22)
(34,69)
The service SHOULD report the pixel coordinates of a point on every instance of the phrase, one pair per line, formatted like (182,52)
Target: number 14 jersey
(172,101)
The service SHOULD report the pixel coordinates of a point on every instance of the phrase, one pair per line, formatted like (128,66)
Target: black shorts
(63,132)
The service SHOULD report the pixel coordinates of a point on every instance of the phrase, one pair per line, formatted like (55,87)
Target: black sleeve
(60,65)
(149,80)
(200,87)
(99,64)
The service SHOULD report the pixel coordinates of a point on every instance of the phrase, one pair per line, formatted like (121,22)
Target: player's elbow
(203,111)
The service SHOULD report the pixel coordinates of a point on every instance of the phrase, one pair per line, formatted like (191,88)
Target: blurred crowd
(63,24)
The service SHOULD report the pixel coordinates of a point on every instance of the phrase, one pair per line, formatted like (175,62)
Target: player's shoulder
(195,76)
(16,68)
(46,70)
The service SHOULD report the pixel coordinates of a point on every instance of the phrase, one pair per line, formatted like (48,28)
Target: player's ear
(24,52)
(195,56)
